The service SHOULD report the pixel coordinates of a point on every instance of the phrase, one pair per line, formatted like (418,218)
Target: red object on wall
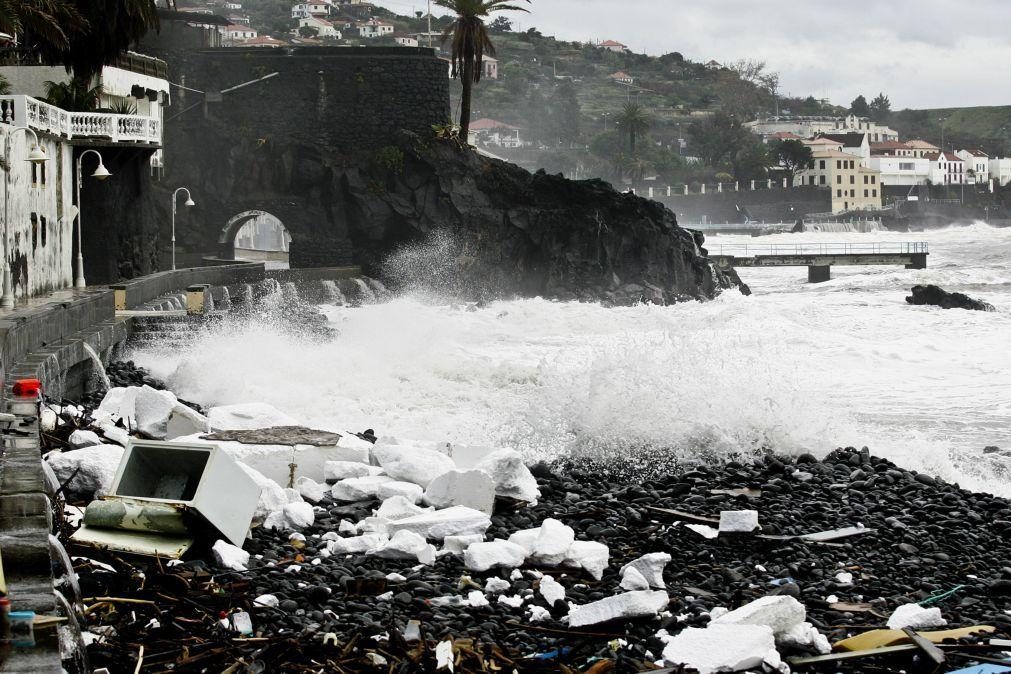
(27,388)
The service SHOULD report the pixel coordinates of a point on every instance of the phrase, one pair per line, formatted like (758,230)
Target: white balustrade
(41,116)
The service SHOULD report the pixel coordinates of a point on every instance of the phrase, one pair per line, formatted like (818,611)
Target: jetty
(819,258)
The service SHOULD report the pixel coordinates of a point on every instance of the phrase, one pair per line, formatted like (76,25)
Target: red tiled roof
(611,43)
(786,135)
(485,124)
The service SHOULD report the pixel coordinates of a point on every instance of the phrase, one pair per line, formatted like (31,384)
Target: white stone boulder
(632,580)
(455,521)
(780,613)
(917,617)
(553,542)
(407,545)
(651,567)
(412,464)
(738,521)
(494,554)
(551,590)
(80,439)
(228,556)
(310,490)
(721,648)
(357,544)
(335,471)
(359,488)
(410,491)
(458,544)
(247,417)
(511,476)
(620,606)
(291,516)
(472,488)
(97,466)
(590,556)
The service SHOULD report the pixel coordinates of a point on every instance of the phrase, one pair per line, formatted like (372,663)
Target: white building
(807,126)
(921,148)
(233,5)
(314,8)
(856,144)
(493,132)
(1000,170)
(613,46)
(877,133)
(374,28)
(947,168)
(979,162)
(405,40)
(323,27)
(896,170)
(236,32)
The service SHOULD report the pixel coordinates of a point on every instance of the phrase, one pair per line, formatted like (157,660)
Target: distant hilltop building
(808,126)
(613,46)
(493,132)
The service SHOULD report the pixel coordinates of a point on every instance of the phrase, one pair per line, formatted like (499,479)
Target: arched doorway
(256,236)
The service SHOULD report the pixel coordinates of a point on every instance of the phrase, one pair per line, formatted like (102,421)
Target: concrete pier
(819,258)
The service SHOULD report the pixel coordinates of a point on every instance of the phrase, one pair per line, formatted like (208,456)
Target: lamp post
(101,173)
(35,156)
(189,202)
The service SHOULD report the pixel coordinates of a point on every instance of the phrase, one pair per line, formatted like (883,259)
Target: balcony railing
(41,116)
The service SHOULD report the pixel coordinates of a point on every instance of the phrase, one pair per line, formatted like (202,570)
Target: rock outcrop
(513,232)
(934,295)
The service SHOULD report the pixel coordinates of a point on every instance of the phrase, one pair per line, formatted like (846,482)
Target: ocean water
(795,367)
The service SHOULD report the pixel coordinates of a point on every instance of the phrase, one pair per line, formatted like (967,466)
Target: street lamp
(189,202)
(36,156)
(101,173)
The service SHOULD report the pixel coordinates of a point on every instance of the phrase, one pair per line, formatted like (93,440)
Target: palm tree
(73,96)
(47,23)
(470,43)
(634,121)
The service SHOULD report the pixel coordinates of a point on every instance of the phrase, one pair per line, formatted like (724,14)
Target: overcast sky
(921,53)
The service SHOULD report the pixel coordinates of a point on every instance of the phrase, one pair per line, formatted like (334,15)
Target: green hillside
(988,128)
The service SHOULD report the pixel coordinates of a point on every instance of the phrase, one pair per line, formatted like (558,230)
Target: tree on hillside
(716,138)
(859,107)
(308,31)
(633,121)
(880,108)
(793,156)
(470,42)
(500,25)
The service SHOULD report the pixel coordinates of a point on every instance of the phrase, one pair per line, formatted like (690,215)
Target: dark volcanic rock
(937,296)
(517,232)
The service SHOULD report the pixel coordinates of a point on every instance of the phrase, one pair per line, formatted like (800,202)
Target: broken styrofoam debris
(359,488)
(444,655)
(185,421)
(590,556)
(152,409)
(335,471)
(551,590)
(268,600)
(458,544)
(228,556)
(496,586)
(844,578)
(538,614)
(703,530)
(412,464)
(455,521)
(247,417)
(511,476)
(627,605)
(526,539)
(272,496)
(408,490)
(292,516)
(650,567)
(95,469)
(118,403)
(398,507)
(632,579)
(720,648)
(738,521)
(807,637)
(407,545)
(780,613)
(916,617)
(514,601)
(310,490)
(476,599)
(493,554)
(80,438)
(553,542)
(364,543)
(472,488)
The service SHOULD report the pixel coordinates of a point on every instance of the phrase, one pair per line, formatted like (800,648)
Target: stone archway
(255,235)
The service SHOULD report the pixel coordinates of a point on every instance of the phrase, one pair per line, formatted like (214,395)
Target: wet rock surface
(936,296)
(928,542)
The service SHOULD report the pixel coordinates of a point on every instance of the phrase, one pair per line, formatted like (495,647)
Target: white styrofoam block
(185,421)
(476,599)
(335,471)
(738,521)
(272,496)
(407,545)
(493,554)
(412,464)
(455,521)
(496,586)
(720,648)
(915,616)
(311,490)
(526,539)
(398,507)
(153,409)
(412,492)
(551,590)
(247,416)
(228,556)
(80,439)
(805,636)
(292,516)
(651,567)
(363,543)
(457,544)
(119,403)
(97,466)
(511,476)
(359,488)
(591,556)
(351,448)
(627,605)
(553,542)
(632,580)
(472,488)
(780,613)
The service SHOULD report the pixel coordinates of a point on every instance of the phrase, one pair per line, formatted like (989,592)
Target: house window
(874,193)
(866,194)
(812,180)
(42,174)
(865,180)
(838,163)
(874,180)
(42,230)
(822,180)
(853,180)
(838,180)
(822,164)
(35,175)
(851,164)
(838,193)
(35,231)
(853,193)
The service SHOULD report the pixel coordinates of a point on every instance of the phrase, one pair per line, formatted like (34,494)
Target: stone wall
(772,205)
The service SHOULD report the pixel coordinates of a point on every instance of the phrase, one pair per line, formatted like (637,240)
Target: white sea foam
(796,367)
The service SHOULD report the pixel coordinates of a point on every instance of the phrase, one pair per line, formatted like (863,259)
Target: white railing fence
(41,116)
(869,248)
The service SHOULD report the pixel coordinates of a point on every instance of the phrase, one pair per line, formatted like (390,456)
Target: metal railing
(41,116)
(764,249)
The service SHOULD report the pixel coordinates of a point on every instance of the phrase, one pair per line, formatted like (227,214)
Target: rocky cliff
(516,232)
